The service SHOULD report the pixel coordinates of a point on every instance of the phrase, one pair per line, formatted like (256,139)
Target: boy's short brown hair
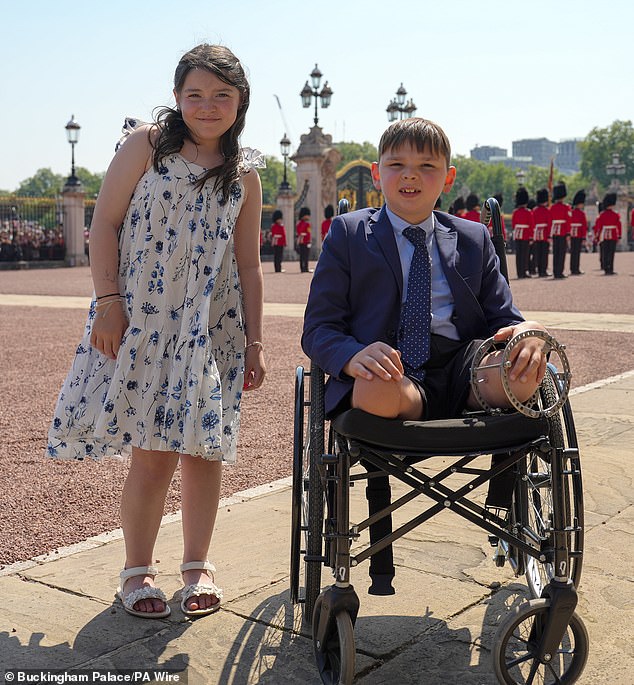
(421,134)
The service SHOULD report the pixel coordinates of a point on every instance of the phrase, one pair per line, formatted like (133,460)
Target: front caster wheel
(335,659)
(516,644)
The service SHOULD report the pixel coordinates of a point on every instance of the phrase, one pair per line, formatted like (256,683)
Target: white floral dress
(177,381)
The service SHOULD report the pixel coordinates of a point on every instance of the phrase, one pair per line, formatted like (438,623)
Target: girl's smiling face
(209,106)
(412,181)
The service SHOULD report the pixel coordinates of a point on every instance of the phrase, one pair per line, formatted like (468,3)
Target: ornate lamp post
(312,91)
(72,133)
(285,147)
(520,175)
(615,169)
(398,108)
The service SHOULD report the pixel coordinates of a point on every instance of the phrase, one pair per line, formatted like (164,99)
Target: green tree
(271,178)
(599,146)
(44,183)
(483,179)
(353,151)
(91,183)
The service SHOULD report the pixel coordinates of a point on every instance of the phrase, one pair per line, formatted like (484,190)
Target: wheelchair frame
(538,529)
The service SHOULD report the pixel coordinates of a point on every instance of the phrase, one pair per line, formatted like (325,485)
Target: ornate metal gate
(354,183)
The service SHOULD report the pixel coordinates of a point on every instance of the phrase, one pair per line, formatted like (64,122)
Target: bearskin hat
(609,200)
(559,191)
(541,196)
(579,198)
(458,204)
(521,197)
(472,201)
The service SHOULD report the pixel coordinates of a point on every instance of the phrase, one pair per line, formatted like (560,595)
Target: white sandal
(209,588)
(146,592)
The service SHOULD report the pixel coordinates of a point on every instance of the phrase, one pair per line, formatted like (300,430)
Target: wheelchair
(533,511)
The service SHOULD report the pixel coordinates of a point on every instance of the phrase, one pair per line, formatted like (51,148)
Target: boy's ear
(449,179)
(376,178)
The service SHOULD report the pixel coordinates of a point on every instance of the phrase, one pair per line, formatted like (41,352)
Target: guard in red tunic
(541,220)
(578,231)
(278,240)
(559,228)
(523,229)
(473,208)
(608,230)
(303,238)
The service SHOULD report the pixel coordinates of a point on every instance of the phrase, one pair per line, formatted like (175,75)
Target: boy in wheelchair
(395,320)
(410,316)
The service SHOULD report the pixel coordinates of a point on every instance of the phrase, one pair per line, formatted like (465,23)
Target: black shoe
(577,273)
(560,276)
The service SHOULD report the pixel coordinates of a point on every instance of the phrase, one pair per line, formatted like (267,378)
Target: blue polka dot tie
(415,328)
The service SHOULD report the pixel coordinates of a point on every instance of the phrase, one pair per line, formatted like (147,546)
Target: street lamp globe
(285,146)
(392,111)
(325,95)
(409,109)
(315,77)
(306,95)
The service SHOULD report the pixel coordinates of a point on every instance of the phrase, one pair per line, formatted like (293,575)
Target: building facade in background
(533,152)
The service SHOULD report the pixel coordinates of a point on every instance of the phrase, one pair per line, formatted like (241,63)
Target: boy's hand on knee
(377,359)
(527,358)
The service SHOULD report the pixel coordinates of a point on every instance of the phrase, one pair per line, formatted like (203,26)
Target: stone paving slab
(237,557)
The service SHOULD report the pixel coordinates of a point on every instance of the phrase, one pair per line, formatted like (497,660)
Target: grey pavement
(59,611)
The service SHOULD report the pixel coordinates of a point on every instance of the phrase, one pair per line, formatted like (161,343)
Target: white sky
(568,62)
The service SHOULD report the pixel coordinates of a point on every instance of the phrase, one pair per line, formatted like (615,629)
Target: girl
(174,331)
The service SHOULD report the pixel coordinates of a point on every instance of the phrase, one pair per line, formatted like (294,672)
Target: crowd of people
(547,225)
(26,240)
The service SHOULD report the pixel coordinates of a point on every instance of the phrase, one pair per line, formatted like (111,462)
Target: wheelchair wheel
(336,661)
(517,640)
(308,493)
(538,496)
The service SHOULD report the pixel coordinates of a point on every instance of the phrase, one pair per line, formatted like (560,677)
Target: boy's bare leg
(492,390)
(389,399)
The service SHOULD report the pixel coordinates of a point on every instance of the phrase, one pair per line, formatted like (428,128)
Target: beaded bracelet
(106,305)
(103,297)
(255,343)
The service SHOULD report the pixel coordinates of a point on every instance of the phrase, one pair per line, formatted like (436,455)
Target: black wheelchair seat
(474,432)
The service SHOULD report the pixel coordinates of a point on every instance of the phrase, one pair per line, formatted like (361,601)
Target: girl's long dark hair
(173,131)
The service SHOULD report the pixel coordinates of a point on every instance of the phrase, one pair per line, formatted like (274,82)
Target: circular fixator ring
(533,406)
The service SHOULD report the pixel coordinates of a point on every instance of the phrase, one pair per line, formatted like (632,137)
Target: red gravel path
(48,504)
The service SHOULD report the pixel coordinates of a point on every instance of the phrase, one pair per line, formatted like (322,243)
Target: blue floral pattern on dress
(177,381)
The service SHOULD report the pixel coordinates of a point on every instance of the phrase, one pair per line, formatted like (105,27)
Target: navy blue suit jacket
(356,292)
